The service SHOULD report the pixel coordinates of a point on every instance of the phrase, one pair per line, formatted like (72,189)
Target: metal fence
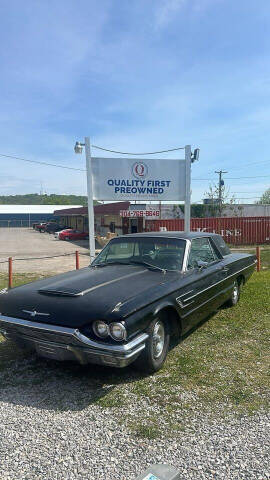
(10,262)
(234,230)
(19,223)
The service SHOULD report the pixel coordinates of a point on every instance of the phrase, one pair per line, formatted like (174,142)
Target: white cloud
(166,11)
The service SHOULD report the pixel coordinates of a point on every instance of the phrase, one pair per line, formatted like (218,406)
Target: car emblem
(33,313)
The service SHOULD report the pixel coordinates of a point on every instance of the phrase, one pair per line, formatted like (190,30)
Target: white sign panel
(133,179)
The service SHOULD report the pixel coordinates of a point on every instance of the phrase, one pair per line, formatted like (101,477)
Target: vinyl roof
(171,234)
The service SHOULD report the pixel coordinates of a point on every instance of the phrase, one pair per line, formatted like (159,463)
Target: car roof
(174,234)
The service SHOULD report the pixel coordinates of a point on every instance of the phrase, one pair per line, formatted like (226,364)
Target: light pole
(220,185)
(78,148)
(189,159)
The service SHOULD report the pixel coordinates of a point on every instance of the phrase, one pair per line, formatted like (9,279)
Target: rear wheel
(235,295)
(156,348)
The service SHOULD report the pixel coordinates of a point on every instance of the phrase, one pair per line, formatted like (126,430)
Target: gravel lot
(26,242)
(53,427)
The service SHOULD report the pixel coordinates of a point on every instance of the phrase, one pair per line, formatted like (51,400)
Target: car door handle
(225,270)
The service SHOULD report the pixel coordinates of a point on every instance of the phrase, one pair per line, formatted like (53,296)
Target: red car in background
(73,235)
(56,234)
(41,226)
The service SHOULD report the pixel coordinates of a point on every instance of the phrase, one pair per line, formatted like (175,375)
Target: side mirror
(201,265)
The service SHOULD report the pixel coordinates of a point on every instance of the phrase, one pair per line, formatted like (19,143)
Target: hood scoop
(60,293)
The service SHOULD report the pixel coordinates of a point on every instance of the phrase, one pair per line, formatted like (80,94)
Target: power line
(41,163)
(83,170)
(239,167)
(232,178)
(238,178)
(145,153)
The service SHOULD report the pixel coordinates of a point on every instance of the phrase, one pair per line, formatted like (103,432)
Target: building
(118,217)
(246,210)
(26,215)
(107,217)
(125,217)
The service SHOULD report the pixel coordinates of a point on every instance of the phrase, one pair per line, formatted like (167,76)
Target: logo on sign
(139,170)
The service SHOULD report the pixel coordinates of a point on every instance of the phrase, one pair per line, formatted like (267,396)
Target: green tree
(265,198)
(217,206)
(36,199)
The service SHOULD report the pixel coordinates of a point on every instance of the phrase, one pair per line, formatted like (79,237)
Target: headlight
(118,331)
(101,329)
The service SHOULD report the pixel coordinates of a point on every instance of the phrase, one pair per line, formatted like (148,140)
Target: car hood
(76,298)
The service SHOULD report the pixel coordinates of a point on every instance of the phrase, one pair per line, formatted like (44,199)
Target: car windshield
(162,253)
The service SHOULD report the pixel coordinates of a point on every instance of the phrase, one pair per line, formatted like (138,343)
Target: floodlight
(196,154)
(78,148)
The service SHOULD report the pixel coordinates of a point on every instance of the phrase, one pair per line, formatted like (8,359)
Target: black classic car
(137,298)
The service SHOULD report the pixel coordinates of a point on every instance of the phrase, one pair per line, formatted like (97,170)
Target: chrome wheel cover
(235,293)
(158,339)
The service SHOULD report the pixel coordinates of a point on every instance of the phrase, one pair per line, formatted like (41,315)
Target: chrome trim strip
(220,281)
(180,302)
(186,255)
(33,313)
(186,293)
(39,326)
(127,347)
(206,301)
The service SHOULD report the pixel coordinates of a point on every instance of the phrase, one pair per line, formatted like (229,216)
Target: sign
(149,214)
(133,179)
(151,476)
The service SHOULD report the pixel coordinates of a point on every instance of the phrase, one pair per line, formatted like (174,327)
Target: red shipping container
(234,230)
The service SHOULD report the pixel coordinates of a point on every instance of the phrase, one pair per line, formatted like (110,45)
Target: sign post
(188,181)
(118,179)
(91,222)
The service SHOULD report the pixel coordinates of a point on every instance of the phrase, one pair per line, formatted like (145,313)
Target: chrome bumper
(62,343)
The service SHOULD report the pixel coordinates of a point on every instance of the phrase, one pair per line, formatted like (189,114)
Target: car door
(206,277)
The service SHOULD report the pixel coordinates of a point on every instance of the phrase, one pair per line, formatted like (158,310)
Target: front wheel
(235,295)
(156,348)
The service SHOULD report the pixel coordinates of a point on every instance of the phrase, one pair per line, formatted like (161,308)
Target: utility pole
(220,185)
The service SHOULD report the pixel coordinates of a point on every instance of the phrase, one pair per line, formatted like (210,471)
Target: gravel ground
(51,427)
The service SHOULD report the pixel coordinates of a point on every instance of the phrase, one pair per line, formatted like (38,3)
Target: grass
(222,368)
(19,279)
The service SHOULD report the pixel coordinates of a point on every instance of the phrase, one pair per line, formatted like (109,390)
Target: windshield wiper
(130,262)
(149,265)
(114,262)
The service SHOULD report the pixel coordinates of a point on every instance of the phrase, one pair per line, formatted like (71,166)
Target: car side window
(201,250)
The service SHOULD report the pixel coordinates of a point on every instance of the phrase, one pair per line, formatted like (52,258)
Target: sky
(135,75)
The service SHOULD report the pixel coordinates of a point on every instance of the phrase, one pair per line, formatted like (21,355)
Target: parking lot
(25,243)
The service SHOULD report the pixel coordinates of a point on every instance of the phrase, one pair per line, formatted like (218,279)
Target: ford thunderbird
(139,296)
